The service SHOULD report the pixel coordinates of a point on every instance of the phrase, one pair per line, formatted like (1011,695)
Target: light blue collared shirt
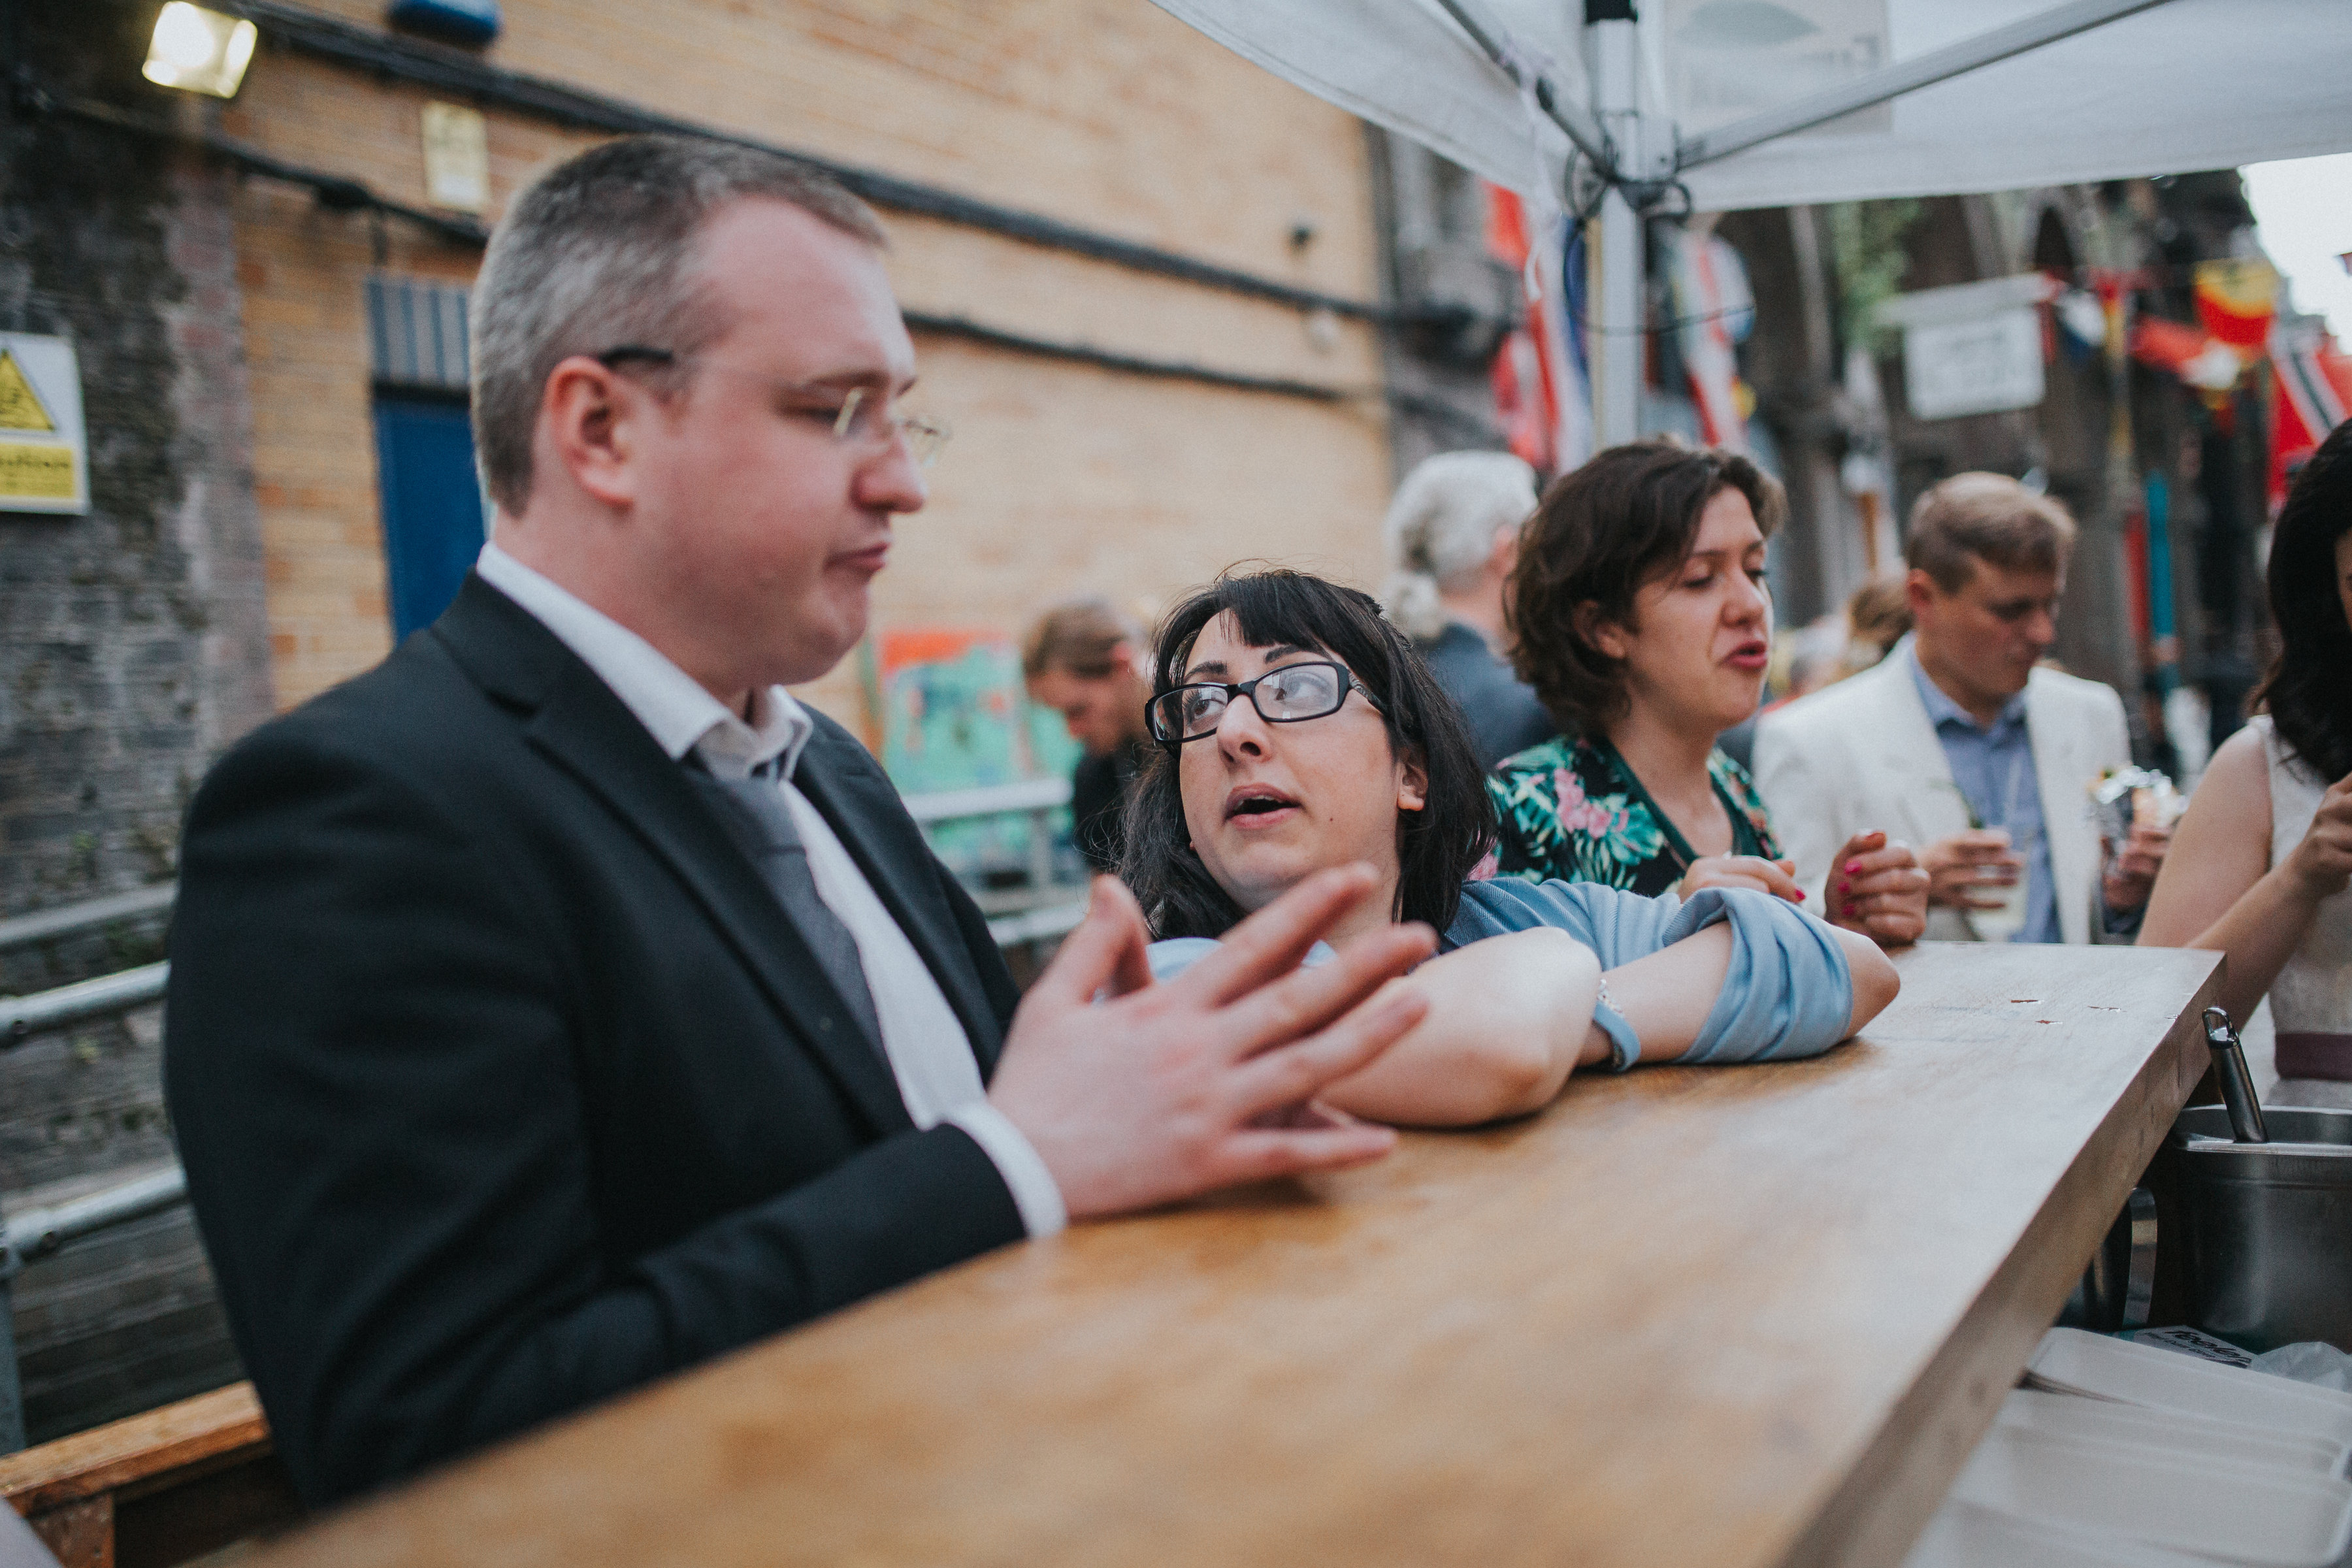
(1993,766)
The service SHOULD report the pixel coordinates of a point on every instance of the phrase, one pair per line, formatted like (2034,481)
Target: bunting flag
(1542,391)
(2198,358)
(2312,382)
(2236,300)
(1714,310)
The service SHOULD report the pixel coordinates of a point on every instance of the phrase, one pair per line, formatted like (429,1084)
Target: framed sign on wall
(43,458)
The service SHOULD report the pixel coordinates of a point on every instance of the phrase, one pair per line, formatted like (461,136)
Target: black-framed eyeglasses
(864,416)
(1290,695)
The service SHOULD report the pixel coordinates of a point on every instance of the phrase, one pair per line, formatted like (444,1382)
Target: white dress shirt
(930,1055)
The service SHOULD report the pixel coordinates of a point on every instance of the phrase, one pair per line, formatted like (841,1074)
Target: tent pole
(1909,76)
(1613,335)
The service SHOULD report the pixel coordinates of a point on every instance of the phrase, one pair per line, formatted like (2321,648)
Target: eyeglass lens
(1282,696)
(872,421)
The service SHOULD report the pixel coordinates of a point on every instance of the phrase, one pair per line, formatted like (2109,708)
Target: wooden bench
(157,1489)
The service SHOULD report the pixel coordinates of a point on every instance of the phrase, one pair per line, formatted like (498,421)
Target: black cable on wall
(340,193)
(427,64)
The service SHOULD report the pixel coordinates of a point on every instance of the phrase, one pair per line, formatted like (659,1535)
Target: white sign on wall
(43,458)
(1981,366)
(456,157)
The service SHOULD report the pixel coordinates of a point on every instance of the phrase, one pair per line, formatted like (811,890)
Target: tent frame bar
(1564,112)
(1893,81)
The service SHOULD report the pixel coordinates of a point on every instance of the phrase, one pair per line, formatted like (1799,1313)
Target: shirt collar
(1943,710)
(675,708)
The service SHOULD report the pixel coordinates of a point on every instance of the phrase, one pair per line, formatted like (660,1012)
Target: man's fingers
(1272,942)
(1105,950)
(1259,1156)
(1308,999)
(1289,1074)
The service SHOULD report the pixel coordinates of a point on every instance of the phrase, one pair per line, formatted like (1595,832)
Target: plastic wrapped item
(2124,798)
(2313,1360)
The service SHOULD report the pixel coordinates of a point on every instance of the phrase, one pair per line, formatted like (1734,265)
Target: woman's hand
(1877,887)
(1774,876)
(2320,864)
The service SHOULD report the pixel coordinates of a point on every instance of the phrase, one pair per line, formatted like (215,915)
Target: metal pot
(2265,1230)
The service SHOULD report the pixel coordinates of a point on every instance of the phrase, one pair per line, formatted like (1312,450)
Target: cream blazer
(1862,755)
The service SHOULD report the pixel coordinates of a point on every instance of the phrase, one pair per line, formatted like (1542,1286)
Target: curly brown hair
(1601,533)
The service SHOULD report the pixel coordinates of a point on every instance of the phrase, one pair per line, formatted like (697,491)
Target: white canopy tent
(1747,103)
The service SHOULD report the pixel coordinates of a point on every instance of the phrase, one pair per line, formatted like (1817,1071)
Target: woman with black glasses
(1297,729)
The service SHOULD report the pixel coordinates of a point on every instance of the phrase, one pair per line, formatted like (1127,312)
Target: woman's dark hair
(1598,535)
(1436,846)
(2309,688)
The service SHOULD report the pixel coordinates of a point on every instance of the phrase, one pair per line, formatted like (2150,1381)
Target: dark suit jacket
(1501,708)
(503,1081)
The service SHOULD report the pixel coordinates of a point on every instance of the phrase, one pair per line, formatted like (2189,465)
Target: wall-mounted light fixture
(198,50)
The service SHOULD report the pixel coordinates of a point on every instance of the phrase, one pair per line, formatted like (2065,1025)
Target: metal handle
(2237,1083)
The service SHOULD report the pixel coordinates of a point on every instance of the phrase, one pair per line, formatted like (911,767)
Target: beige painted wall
(1062,478)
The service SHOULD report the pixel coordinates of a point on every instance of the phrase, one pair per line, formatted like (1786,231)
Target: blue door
(432,503)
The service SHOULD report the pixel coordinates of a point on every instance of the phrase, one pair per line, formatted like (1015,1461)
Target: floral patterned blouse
(1573,810)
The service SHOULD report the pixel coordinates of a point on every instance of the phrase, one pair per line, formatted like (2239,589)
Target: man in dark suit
(559,1003)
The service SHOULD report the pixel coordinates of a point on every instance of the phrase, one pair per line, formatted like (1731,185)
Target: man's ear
(589,419)
(1919,591)
(1597,630)
(1412,782)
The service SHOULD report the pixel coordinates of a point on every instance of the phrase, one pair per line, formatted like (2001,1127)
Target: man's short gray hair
(598,252)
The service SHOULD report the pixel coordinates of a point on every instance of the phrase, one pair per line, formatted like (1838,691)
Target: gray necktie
(761,825)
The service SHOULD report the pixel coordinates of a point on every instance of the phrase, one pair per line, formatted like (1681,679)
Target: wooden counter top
(1693,1316)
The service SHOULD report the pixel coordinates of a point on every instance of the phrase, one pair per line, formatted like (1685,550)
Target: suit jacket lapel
(866,814)
(586,730)
(2061,774)
(1918,775)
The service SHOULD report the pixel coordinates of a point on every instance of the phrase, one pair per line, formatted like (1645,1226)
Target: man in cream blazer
(1958,729)
(1862,755)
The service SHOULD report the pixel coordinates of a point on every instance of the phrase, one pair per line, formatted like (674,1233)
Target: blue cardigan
(1786,993)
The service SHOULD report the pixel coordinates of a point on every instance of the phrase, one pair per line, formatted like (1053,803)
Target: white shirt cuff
(1034,1191)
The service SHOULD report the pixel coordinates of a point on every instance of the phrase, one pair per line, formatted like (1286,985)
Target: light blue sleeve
(1618,926)
(1173,956)
(1786,993)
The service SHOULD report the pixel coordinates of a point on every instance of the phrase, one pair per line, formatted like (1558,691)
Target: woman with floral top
(1645,624)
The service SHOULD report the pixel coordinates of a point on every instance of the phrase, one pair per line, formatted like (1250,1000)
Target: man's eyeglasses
(863,416)
(1284,696)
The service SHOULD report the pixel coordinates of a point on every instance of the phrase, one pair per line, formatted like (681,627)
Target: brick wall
(132,649)
(1062,478)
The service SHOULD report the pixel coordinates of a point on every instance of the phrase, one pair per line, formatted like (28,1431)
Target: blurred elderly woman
(1452,534)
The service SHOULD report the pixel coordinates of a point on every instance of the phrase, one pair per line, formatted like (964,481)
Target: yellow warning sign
(35,473)
(20,405)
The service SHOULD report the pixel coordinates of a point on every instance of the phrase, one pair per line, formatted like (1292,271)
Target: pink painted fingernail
(1801,895)
(1846,887)
(1852,867)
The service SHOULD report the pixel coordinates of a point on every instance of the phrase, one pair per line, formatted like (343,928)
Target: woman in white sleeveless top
(2260,866)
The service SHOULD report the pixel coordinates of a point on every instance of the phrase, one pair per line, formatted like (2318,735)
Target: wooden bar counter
(1690,1316)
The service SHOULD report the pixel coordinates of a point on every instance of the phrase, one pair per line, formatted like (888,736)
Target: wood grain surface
(224,1425)
(1739,1315)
